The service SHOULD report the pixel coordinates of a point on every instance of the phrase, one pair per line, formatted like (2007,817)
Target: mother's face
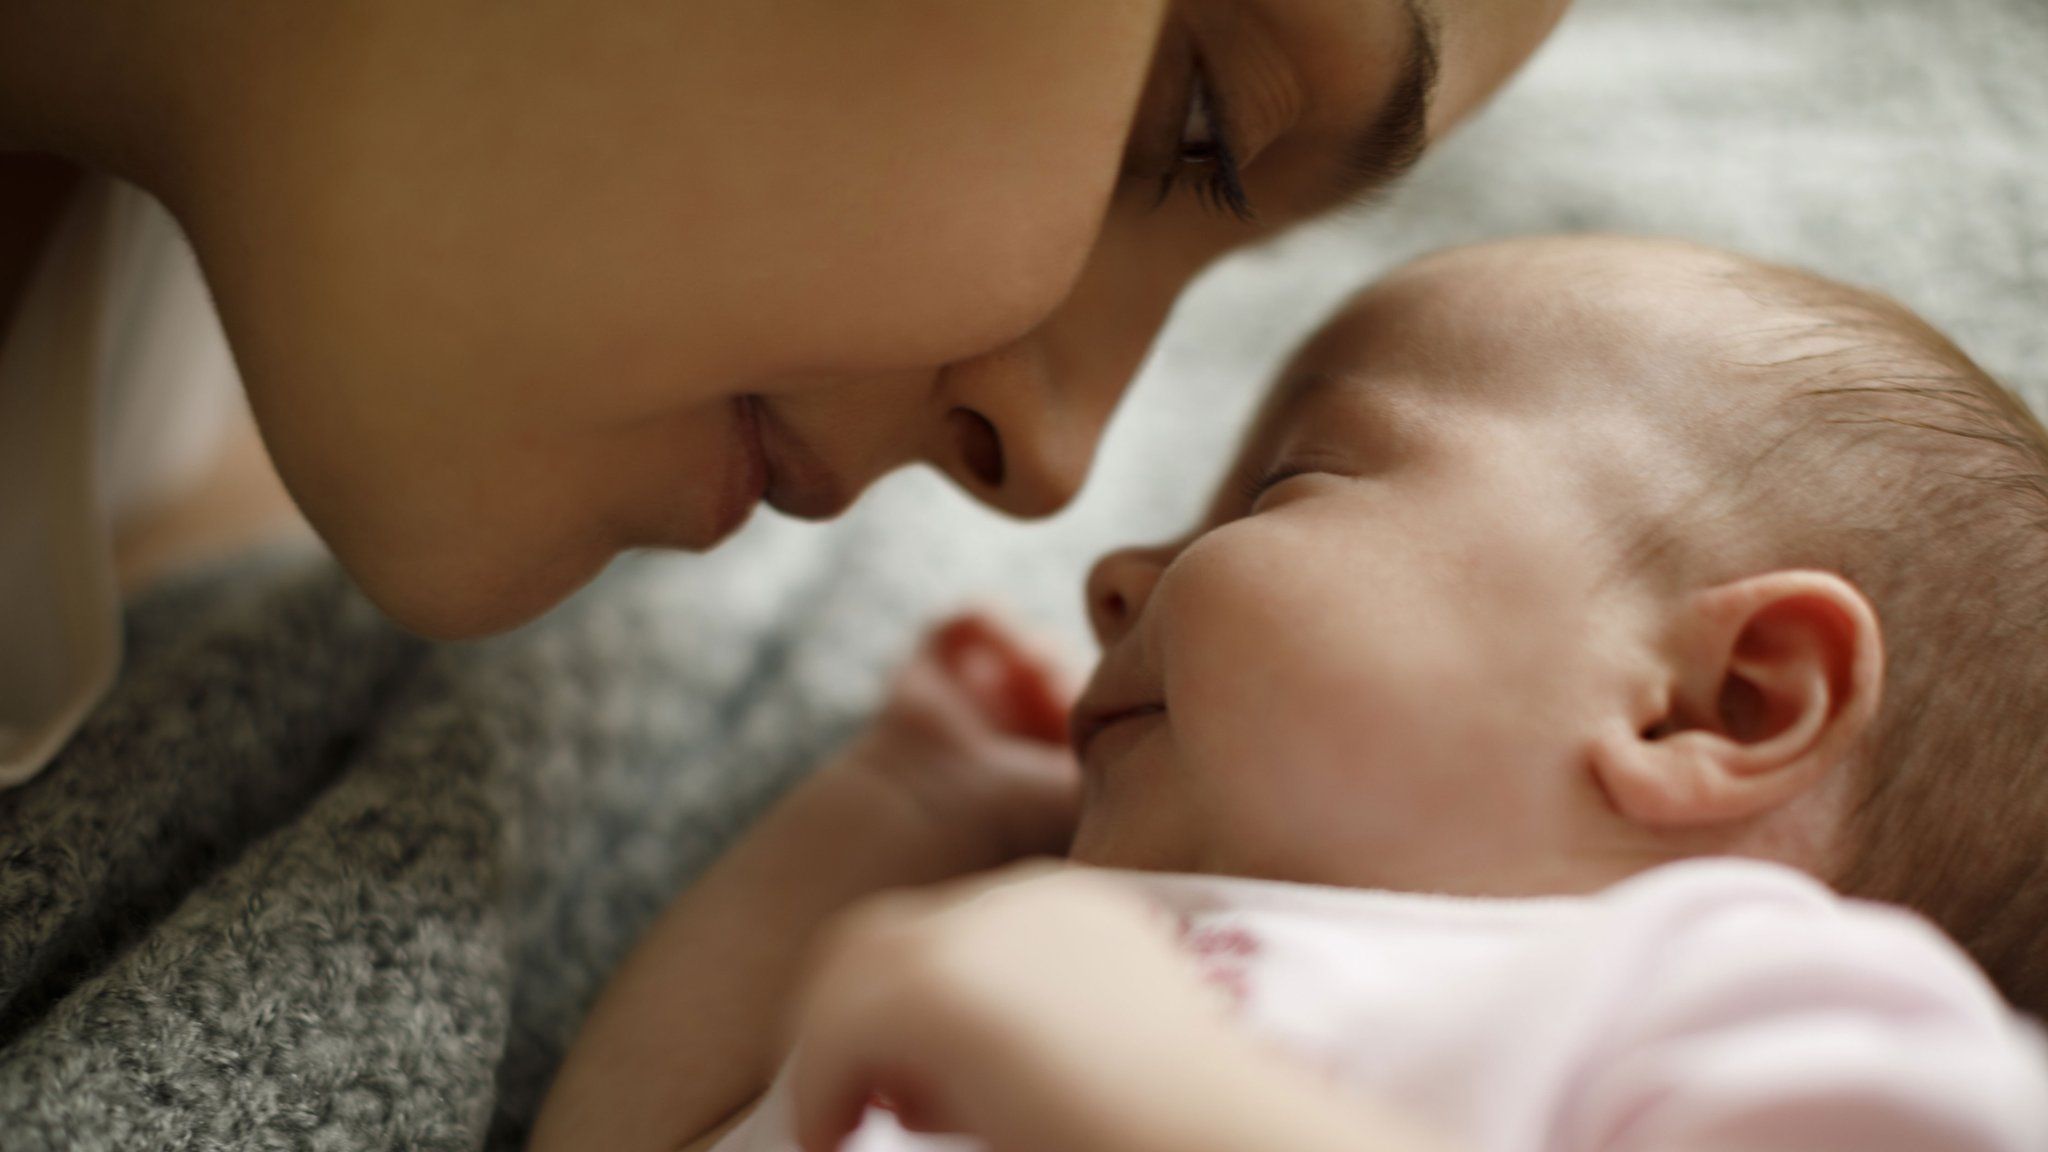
(517,287)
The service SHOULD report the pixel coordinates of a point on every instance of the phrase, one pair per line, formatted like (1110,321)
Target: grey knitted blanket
(303,882)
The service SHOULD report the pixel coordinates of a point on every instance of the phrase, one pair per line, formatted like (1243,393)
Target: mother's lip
(748,479)
(799,484)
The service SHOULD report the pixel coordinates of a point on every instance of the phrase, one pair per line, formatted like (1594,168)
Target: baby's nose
(1118,587)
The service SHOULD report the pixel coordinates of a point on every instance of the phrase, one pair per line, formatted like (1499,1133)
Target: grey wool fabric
(304,882)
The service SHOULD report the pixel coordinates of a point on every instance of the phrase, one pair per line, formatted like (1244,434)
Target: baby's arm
(966,768)
(1049,1008)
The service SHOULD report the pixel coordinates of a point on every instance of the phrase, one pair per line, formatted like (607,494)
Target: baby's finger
(1019,693)
(832,1093)
(826,1113)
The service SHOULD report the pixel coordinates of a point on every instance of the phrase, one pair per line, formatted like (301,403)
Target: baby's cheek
(1246,653)
(1219,620)
(1307,662)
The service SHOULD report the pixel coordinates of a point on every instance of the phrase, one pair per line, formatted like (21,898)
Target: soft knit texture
(302,882)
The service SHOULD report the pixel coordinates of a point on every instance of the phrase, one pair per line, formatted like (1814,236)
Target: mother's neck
(156,92)
(33,189)
(84,84)
(90,80)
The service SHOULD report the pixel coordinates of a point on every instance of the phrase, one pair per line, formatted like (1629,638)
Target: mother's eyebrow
(1396,138)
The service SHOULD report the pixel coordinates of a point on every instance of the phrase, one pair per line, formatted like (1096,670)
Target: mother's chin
(464,580)
(462,532)
(450,592)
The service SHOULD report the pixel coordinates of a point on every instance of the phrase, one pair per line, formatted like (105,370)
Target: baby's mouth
(1089,722)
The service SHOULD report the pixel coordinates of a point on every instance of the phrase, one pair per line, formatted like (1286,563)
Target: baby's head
(1550,561)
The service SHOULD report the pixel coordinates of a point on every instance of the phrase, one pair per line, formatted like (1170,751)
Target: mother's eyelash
(1219,183)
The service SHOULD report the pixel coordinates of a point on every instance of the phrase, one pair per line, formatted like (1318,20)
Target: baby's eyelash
(1259,483)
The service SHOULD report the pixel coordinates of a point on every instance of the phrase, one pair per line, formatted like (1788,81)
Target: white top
(115,387)
(1718,1005)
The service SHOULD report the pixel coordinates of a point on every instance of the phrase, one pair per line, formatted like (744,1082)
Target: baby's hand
(973,738)
(1024,1007)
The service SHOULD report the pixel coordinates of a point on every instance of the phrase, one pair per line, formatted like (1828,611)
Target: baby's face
(1380,658)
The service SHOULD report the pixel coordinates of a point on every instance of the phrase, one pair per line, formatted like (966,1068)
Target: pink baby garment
(1704,1006)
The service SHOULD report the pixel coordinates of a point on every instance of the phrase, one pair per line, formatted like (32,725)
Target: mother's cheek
(926,180)
(961,279)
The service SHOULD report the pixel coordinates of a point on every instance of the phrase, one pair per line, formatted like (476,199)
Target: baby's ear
(1771,681)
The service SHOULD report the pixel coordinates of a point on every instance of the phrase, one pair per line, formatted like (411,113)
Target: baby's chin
(1103,842)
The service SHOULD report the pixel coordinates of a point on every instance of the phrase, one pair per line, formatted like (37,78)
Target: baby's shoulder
(1712,926)
(1708,1003)
(1742,997)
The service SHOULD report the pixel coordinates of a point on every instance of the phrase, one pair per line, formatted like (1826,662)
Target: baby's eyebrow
(1302,387)
(1338,406)
(1391,144)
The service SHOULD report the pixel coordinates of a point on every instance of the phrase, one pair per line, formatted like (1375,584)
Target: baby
(1475,776)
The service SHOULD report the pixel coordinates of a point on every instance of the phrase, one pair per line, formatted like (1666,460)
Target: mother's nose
(1118,588)
(1016,437)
